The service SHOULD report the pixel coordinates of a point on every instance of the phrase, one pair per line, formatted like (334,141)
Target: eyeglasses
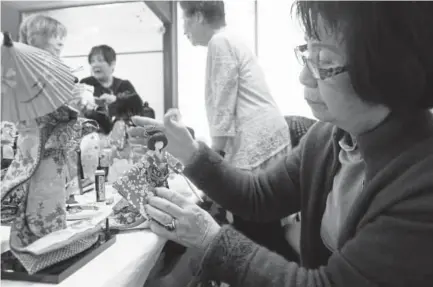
(317,72)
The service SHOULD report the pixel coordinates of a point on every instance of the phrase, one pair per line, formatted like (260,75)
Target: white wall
(10,20)
(278,34)
(132,30)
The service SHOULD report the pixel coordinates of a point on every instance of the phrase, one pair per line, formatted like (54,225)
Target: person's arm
(126,99)
(395,249)
(103,120)
(221,91)
(89,81)
(270,195)
(127,86)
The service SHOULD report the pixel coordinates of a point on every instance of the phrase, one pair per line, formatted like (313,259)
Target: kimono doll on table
(37,176)
(125,216)
(8,133)
(138,183)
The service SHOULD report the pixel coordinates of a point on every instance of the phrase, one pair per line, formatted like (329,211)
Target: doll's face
(159,146)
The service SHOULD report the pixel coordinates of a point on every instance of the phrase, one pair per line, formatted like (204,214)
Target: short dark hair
(106,51)
(127,105)
(212,11)
(156,136)
(389,47)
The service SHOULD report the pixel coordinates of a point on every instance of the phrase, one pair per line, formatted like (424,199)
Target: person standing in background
(110,93)
(244,120)
(245,124)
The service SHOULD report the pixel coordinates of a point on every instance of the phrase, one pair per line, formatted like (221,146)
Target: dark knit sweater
(387,239)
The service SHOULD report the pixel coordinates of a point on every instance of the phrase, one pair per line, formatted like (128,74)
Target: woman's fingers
(147,123)
(139,149)
(172,196)
(172,115)
(166,206)
(161,230)
(138,141)
(139,131)
(159,215)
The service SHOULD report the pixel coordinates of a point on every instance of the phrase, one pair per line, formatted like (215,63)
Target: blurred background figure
(246,126)
(113,96)
(43,32)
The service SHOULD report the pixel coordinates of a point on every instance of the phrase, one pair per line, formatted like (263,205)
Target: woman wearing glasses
(362,178)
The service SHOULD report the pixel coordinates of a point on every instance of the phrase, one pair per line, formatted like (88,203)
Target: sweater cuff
(226,259)
(203,160)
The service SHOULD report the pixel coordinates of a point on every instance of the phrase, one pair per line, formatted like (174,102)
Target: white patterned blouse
(239,104)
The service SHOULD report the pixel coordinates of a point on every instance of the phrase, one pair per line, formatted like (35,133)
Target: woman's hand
(105,99)
(108,99)
(191,225)
(180,142)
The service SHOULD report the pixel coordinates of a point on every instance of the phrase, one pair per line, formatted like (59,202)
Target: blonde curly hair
(37,30)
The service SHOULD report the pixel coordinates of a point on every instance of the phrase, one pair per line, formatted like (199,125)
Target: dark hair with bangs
(212,11)
(388,44)
(106,51)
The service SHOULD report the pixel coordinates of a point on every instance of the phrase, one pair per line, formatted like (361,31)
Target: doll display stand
(11,269)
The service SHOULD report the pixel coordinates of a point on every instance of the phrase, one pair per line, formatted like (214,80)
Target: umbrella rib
(15,56)
(27,85)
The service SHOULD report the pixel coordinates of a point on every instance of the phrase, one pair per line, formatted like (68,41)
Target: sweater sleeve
(267,196)
(395,249)
(128,102)
(126,86)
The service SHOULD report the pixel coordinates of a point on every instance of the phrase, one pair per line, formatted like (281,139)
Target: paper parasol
(34,82)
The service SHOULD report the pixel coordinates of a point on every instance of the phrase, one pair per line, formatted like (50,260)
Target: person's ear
(199,18)
(113,66)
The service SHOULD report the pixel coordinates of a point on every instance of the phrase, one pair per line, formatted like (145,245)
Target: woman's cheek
(338,87)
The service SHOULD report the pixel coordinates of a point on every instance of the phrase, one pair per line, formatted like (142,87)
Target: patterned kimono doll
(37,177)
(125,216)
(7,142)
(138,184)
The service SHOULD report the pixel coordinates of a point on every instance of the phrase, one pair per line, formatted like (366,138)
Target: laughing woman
(361,178)
(111,94)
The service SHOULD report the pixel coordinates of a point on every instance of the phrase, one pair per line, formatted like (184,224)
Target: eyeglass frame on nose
(317,72)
